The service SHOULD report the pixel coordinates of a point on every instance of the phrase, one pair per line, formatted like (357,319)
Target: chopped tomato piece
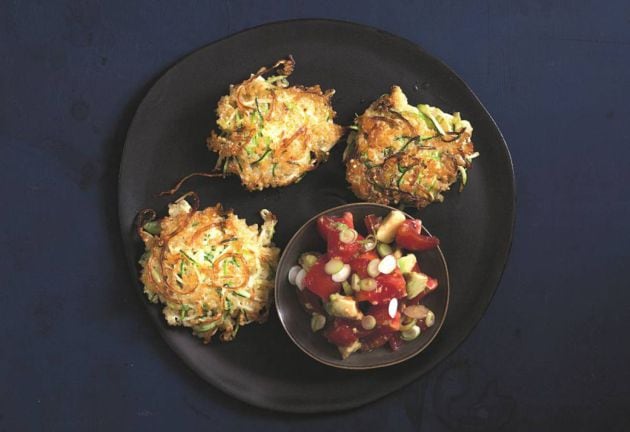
(372,222)
(423,325)
(375,340)
(381,314)
(409,236)
(395,280)
(340,334)
(328,224)
(359,331)
(395,342)
(360,263)
(388,286)
(330,227)
(345,251)
(319,282)
(310,302)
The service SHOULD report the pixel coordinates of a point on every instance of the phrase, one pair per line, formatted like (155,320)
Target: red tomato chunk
(409,236)
(340,334)
(319,282)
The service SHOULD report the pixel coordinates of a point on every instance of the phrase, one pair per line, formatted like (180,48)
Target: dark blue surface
(78,351)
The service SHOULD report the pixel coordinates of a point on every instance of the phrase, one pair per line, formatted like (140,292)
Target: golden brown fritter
(272,133)
(212,271)
(399,153)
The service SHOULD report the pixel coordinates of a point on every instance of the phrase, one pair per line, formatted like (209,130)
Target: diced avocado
(406,263)
(344,307)
(416,283)
(387,230)
(346,351)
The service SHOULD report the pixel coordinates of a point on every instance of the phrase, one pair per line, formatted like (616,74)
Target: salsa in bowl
(362,286)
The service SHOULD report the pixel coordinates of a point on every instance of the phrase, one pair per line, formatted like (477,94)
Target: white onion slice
(299,279)
(393,308)
(293,273)
(387,264)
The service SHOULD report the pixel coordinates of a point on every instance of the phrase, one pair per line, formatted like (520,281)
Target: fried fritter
(210,269)
(398,153)
(272,133)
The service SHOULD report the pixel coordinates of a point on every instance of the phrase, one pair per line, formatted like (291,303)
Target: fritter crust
(399,153)
(212,272)
(272,134)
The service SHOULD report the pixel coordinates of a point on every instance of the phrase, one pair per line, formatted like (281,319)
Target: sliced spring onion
(348,235)
(355,282)
(343,274)
(369,243)
(430,319)
(368,284)
(368,322)
(408,325)
(411,334)
(333,266)
(318,321)
(384,249)
(299,279)
(372,267)
(293,272)
(341,226)
(307,260)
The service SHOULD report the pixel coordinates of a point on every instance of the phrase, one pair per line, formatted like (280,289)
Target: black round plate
(167,141)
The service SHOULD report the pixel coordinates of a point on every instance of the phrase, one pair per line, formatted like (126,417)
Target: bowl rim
(315,356)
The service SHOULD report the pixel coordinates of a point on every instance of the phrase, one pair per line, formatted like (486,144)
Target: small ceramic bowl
(296,321)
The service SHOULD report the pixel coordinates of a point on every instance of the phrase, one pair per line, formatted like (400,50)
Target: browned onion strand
(244,274)
(195,198)
(143,217)
(285,66)
(179,184)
